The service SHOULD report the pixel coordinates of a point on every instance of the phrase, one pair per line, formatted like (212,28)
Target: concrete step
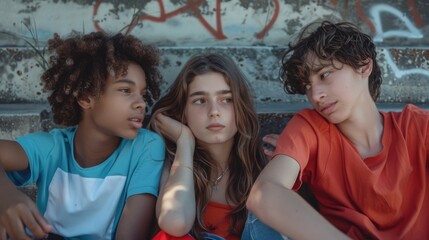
(405,72)
(19,119)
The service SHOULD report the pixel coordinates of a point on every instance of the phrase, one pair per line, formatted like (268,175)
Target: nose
(214,110)
(317,92)
(140,104)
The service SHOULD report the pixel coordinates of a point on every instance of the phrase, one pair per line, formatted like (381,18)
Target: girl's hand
(173,129)
(270,143)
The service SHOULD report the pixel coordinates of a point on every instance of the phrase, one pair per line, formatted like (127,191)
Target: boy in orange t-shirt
(367,169)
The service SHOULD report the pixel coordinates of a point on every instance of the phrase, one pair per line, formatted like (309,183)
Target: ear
(366,69)
(86,103)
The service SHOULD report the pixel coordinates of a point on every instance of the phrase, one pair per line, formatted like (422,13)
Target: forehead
(133,73)
(314,64)
(210,82)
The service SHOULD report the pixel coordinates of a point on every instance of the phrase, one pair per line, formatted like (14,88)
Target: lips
(215,127)
(136,121)
(327,108)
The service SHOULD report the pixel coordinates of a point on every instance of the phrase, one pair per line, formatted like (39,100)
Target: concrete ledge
(19,119)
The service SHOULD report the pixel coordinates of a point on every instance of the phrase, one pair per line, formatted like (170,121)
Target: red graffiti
(193,6)
(271,22)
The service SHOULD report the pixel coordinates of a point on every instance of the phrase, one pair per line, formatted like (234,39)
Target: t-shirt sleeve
(298,141)
(37,146)
(147,175)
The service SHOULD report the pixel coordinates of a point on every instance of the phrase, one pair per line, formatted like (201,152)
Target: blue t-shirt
(86,203)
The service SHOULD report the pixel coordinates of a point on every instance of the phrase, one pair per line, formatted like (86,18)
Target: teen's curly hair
(341,41)
(81,65)
(246,158)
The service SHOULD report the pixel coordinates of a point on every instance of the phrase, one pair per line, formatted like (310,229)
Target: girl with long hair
(214,151)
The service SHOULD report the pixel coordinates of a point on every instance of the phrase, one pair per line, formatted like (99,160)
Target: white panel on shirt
(83,206)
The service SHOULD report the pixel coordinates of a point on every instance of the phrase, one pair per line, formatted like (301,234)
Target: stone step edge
(22,109)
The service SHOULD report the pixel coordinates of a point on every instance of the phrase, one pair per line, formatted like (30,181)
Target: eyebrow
(220,92)
(320,67)
(124,80)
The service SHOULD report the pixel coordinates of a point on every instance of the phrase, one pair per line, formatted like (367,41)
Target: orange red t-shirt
(385,196)
(216,217)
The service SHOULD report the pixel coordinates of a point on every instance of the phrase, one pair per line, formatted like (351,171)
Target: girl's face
(209,110)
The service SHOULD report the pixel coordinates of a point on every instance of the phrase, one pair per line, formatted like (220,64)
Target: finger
(46,227)
(17,232)
(160,117)
(36,225)
(268,153)
(271,139)
(2,233)
(12,224)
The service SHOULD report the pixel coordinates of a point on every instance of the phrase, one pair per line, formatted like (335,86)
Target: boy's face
(209,110)
(120,110)
(337,91)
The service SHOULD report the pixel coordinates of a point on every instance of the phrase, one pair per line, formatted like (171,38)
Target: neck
(365,130)
(220,153)
(91,147)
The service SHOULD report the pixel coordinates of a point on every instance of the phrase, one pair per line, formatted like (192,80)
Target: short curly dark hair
(343,42)
(81,65)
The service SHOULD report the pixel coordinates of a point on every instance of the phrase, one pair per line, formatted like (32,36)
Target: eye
(226,100)
(124,90)
(325,74)
(199,101)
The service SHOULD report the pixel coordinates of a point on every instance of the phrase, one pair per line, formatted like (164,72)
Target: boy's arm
(17,209)
(274,203)
(137,217)
(12,156)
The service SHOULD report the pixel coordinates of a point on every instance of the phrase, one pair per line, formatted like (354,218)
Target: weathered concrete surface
(405,73)
(252,32)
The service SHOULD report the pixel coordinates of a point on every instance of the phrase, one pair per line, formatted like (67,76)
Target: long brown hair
(246,154)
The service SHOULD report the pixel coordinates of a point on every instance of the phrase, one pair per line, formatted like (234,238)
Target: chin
(130,136)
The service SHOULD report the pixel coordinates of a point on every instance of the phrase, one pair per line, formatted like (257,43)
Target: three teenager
(367,169)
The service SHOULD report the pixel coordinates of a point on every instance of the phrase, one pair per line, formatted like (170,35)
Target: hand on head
(270,143)
(172,129)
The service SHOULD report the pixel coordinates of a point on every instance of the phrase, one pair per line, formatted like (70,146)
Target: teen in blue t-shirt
(98,178)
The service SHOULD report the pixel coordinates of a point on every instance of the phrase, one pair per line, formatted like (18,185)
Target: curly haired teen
(98,177)
(367,169)
(211,129)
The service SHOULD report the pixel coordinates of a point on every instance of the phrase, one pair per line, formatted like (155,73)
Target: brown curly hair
(341,41)
(81,65)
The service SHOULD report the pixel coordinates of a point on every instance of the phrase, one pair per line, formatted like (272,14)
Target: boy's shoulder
(56,134)
(312,117)
(411,111)
(148,135)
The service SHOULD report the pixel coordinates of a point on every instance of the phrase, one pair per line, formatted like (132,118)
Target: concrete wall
(253,32)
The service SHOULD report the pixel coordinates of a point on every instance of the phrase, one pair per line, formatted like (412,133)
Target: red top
(385,196)
(216,217)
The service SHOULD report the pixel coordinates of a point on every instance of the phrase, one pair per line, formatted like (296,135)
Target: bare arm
(17,209)
(176,203)
(275,204)
(137,217)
